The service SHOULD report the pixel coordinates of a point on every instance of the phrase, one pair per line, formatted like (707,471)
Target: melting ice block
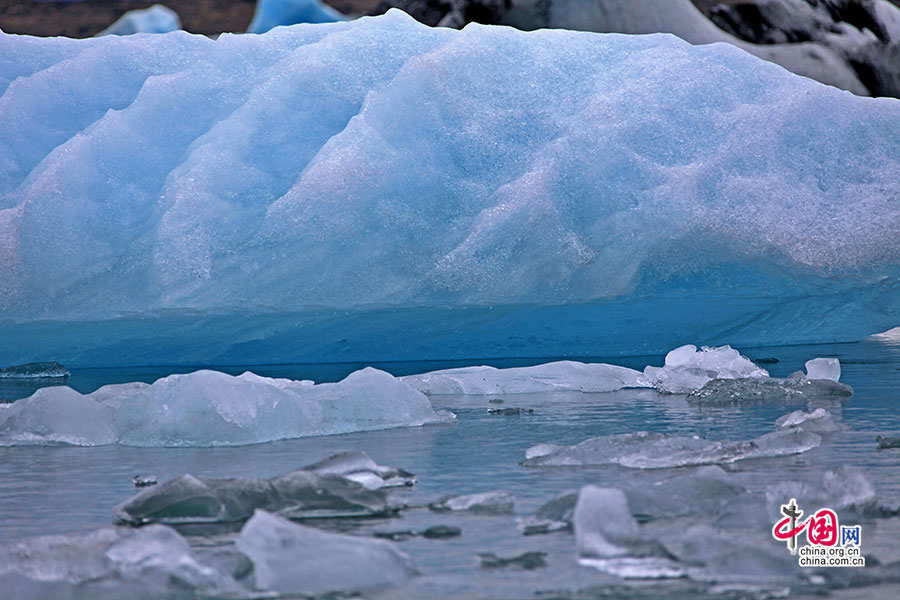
(486,503)
(823,368)
(293,559)
(817,421)
(558,376)
(688,369)
(327,488)
(380,190)
(644,450)
(155,19)
(209,408)
(110,564)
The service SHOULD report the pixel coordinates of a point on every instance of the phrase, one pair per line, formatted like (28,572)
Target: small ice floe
(141,481)
(110,564)
(818,421)
(315,491)
(887,442)
(609,539)
(842,488)
(527,561)
(209,408)
(487,503)
(687,369)
(824,368)
(289,558)
(558,376)
(555,515)
(510,412)
(40,370)
(645,450)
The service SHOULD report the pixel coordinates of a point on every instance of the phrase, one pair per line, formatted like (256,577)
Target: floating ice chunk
(723,392)
(645,450)
(151,562)
(317,490)
(817,421)
(359,466)
(563,375)
(608,538)
(293,559)
(555,515)
(42,370)
(844,487)
(708,490)
(209,408)
(824,368)
(507,219)
(887,442)
(486,503)
(155,19)
(688,369)
(273,13)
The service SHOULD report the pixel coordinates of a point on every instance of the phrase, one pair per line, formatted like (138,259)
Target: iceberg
(644,450)
(560,376)
(274,13)
(155,19)
(313,491)
(297,560)
(210,408)
(378,190)
(110,564)
(42,370)
(688,369)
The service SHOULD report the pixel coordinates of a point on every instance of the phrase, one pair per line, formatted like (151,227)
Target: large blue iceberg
(380,190)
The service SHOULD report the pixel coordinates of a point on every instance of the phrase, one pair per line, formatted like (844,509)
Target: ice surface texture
(379,190)
(209,408)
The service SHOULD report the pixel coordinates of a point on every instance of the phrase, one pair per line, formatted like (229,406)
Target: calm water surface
(67,489)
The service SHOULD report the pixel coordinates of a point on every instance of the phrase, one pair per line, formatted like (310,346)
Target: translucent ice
(608,537)
(156,19)
(817,421)
(475,193)
(209,408)
(272,13)
(688,369)
(151,562)
(293,559)
(317,490)
(645,450)
(823,368)
(486,503)
(564,375)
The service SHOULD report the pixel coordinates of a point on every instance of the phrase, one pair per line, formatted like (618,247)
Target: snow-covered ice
(558,376)
(294,559)
(645,450)
(321,489)
(210,408)
(155,19)
(476,193)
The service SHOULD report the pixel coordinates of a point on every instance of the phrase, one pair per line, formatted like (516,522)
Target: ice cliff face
(379,190)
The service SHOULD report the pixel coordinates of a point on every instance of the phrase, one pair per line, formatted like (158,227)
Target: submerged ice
(209,408)
(566,197)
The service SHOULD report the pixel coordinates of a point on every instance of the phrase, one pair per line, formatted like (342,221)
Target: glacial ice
(567,197)
(294,559)
(688,369)
(110,564)
(823,368)
(644,450)
(42,370)
(209,408)
(750,390)
(558,376)
(274,13)
(608,538)
(155,19)
(341,485)
(818,421)
(840,488)
(486,503)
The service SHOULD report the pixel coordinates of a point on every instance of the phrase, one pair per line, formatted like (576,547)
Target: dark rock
(510,411)
(442,532)
(888,442)
(496,400)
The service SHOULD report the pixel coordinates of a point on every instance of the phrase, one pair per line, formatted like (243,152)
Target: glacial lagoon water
(61,489)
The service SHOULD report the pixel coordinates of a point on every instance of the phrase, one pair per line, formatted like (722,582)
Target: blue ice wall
(378,190)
